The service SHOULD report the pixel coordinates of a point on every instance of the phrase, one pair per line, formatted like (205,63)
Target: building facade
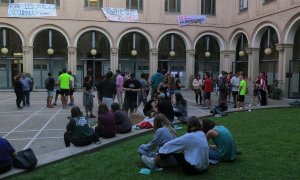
(238,35)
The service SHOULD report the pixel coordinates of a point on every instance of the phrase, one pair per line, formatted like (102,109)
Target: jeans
(68,138)
(213,154)
(120,97)
(26,98)
(108,101)
(20,98)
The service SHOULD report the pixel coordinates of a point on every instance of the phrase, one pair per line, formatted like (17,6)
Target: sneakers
(92,116)
(149,162)
(19,108)
(54,104)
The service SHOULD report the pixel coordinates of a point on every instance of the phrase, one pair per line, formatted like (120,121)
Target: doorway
(173,67)
(294,79)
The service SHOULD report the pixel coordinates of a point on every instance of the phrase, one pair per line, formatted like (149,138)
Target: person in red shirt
(208,88)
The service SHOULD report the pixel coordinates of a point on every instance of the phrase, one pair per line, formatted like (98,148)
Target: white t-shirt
(235,81)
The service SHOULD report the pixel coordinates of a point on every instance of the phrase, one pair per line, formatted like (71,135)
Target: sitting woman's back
(122,119)
(106,127)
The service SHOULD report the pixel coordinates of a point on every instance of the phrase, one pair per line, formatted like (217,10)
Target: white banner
(30,10)
(185,20)
(121,15)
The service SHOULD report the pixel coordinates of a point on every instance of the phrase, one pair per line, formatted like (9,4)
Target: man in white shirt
(235,81)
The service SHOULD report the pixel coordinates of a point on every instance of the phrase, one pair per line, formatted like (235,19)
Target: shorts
(241,98)
(172,91)
(71,92)
(207,95)
(65,92)
(57,91)
(129,104)
(50,93)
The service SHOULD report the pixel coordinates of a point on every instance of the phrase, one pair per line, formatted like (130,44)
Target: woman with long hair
(106,127)
(88,96)
(172,88)
(163,87)
(197,84)
(180,108)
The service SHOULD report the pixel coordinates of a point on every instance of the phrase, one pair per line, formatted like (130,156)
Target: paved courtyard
(42,128)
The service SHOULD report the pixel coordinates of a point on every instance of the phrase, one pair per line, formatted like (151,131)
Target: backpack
(25,159)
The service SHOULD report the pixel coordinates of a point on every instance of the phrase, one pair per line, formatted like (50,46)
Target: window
(243,5)
(56,2)
(6,1)
(134,4)
(208,7)
(172,6)
(267,1)
(93,3)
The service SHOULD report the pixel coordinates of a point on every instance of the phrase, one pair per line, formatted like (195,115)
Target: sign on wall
(30,10)
(120,14)
(185,20)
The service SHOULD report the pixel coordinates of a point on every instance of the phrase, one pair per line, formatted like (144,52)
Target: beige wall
(73,19)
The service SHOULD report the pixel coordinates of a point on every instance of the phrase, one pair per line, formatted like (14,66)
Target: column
(28,59)
(72,59)
(190,65)
(253,63)
(114,59)
(153,64)
(226,60)
(285,55)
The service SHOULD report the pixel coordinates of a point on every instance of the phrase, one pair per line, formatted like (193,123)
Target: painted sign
(185,20)
(121,15)
(31,10)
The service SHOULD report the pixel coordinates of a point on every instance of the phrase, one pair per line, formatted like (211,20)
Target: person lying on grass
(163,133)
(224,148)
(122,119)
(78,131)
(189,150)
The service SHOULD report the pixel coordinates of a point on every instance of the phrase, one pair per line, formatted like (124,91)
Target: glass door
(4,75)
(294,79)
(40,74)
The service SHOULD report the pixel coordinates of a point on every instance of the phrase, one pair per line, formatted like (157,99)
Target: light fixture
(4,50)
(242,52)
(207,54)
(134,52)
(172,53)
(93,52)
(50,51)
(268,50)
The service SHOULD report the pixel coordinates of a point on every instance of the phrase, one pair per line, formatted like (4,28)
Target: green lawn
(268,139)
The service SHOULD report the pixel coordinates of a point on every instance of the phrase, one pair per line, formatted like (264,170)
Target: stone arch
(218,37)
(260,30)
(291,29)
(235,37)
(15,30)
(93,28)
(138,30)
(39,29)
(185,38)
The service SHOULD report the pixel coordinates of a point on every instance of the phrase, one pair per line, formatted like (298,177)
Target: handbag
(25,159)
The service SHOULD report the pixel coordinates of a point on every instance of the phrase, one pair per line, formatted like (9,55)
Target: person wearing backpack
(49,85)
(7,153)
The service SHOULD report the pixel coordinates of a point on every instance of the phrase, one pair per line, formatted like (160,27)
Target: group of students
(109,124)
(22,88)
(191,151)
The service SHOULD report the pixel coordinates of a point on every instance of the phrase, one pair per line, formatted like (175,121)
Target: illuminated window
(93,3)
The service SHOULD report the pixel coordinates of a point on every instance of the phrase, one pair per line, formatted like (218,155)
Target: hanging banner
(185,20)
(30,10)
(121,15)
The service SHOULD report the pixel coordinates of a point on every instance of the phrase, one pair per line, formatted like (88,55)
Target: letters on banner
(31,10)
(185,20)
(120,14)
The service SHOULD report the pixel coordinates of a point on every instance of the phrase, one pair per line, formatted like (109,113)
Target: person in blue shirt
(163,134)
(189,150)
(156,79)
(7,152)
(224,148)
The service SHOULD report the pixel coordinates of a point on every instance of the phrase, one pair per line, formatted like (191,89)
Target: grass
(268,140)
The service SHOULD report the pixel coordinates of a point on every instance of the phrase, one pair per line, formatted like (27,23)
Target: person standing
(49,85)
(255,95)
(18,88)
(57,91)
(208,88)
(142,95)
(242,91)
(107,89)
(119,86)
(72,87)
(26,81)
(156,79)
(235,83)
(131,87)
(177,83)
(263,89)
(87,96)
(64,84)
(197,84)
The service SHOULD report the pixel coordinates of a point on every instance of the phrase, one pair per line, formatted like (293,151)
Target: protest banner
(185,20)
(31,10)
(120,14)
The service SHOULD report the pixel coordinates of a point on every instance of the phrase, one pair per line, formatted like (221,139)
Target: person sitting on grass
(7,152)
(106,127)
(78,131)
(224,148)
(165,107)
(180,108)
(189,150)
(122,119)
(150,105)
(163,134)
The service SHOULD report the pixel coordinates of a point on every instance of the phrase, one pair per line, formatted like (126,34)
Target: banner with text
(121,15)
(185,20)
(30,10)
